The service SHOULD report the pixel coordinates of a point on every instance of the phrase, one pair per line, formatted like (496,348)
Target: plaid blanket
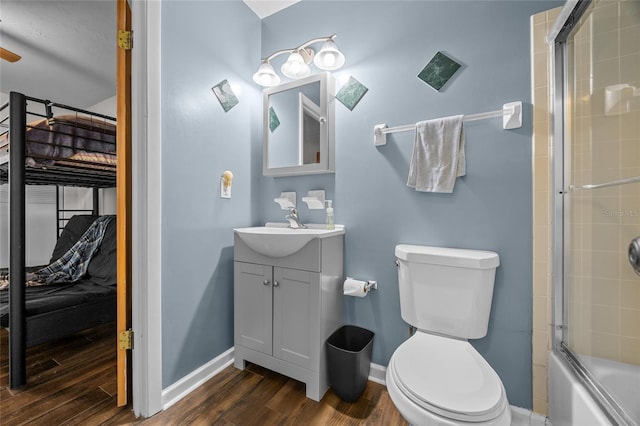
(73,264)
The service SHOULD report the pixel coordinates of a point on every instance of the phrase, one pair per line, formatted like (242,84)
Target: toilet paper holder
(369,284)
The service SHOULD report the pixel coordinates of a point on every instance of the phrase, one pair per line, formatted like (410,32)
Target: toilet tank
(445,290)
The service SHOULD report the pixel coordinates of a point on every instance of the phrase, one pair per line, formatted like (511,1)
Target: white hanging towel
(438,155)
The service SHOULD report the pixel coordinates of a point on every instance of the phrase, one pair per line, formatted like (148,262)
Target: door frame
(146,207)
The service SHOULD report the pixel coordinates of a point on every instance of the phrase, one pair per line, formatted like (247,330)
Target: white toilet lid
(448,377)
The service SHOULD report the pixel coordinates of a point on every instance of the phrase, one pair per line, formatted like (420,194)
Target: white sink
(278,240)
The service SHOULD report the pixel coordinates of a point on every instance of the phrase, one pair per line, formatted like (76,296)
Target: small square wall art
(225,95)
(438,71)
(351,93)
(274,121)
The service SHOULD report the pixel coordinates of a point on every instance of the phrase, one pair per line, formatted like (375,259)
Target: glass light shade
(266,75)
(329,57)
(295,67)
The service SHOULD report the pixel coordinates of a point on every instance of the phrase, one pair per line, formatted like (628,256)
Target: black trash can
(349,359)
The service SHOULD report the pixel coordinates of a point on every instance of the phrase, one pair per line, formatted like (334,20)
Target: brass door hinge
(125,339)
(125,39)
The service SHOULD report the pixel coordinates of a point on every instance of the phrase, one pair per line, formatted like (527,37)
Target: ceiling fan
(8,55)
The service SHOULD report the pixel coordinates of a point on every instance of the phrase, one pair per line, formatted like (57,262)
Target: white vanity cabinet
(285,308)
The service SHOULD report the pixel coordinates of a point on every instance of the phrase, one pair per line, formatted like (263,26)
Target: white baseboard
(196,378)
(378,374)
(524,417)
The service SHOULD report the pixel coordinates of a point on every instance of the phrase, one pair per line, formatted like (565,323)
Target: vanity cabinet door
(253,299)
(296,317)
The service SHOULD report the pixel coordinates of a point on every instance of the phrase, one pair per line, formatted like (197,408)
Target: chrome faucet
(294,220)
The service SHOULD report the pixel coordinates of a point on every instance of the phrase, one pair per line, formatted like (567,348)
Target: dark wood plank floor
(72,382)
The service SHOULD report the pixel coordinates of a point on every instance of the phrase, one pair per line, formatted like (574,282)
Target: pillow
(72,232)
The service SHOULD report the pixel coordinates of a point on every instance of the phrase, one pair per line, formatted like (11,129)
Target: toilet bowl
(434,380)
(437,377)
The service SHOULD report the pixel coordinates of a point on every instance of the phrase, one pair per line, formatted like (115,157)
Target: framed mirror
(298,127)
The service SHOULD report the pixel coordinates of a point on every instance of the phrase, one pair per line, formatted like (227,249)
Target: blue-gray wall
(386,44)
(203,43)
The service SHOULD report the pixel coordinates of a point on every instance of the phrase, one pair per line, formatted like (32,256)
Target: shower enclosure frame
(569,16)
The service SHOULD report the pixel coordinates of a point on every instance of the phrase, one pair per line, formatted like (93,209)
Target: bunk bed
(45,143)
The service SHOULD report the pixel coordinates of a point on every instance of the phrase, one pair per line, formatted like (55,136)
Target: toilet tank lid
(463,258)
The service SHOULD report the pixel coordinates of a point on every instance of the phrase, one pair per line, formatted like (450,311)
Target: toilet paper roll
(355,288)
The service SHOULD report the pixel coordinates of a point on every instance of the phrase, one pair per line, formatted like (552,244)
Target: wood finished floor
(72,382)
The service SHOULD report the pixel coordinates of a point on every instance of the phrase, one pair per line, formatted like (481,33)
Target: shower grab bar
(606,184)
(511,113)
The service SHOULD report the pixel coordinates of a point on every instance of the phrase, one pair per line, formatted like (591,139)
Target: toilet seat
(448,377)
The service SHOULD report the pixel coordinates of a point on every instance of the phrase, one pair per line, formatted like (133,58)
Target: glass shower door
(602,199)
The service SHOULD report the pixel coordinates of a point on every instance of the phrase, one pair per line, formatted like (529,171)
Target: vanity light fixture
(329,58)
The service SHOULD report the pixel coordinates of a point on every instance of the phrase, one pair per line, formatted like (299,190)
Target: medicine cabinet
(298,127)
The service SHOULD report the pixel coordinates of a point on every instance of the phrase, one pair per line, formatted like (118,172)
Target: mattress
(67,140)
(50,298)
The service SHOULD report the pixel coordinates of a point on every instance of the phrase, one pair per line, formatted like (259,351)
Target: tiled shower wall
(603,306)
(541,145)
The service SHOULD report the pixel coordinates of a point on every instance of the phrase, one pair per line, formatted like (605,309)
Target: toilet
(436,377)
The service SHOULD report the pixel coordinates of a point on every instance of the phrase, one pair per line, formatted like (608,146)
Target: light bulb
(329,57)
(295,67)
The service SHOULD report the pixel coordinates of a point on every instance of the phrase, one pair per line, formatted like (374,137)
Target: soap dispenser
(330,223)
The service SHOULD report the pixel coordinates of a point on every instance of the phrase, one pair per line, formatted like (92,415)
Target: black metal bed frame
(62,213)
(17,174)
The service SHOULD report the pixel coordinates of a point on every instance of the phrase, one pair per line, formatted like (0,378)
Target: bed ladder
(63,215)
